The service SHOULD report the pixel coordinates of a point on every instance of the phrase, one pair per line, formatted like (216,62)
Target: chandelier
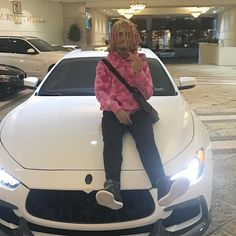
(133,8)
(127,13)
(137,6)
(196,14)
(197,11)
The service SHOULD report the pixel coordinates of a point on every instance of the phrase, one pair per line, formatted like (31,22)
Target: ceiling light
(128,15)
(196,14)
(204,9)
(196,9)
(125,11)
(137,6)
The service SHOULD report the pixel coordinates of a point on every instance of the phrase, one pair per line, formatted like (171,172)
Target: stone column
(149,32)
(226,29)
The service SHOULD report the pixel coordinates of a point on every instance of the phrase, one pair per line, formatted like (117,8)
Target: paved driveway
(214,101)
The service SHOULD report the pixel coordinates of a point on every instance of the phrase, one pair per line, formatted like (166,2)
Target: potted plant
(74,33)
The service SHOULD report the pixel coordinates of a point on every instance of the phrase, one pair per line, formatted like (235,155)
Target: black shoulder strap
(117,74)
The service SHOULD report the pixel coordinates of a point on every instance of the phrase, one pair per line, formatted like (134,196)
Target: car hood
(64,133)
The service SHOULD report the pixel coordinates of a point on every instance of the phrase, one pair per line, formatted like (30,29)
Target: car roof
(100,53)
(21,37)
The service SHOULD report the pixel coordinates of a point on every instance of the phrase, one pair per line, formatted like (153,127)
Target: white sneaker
(178,188)
(110,196)
(106,198)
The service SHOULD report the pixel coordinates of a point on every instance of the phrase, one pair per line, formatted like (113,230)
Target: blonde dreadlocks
(133,39)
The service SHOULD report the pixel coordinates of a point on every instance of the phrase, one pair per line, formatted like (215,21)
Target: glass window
(161,82)
(20,46)
(42,45)
(5,45)
(75,77)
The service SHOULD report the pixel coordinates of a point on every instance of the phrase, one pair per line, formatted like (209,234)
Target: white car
(168,53)
(52,163)
(31,54)
(71,47)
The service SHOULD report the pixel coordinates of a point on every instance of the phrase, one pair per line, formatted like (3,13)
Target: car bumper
(20,226)
(77,210)
(190,213)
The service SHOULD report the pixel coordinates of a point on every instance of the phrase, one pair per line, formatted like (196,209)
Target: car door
(26,57)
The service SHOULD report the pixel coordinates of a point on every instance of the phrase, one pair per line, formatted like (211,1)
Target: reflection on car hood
(65,133)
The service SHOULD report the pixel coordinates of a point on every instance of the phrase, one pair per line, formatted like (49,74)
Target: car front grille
(81,207)
(186,211)
(7,214)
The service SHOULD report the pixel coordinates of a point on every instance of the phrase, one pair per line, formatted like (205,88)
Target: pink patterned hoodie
(111,93)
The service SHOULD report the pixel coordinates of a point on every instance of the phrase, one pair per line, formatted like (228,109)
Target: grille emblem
(88,179)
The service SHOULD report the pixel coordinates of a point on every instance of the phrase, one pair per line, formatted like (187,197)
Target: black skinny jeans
(142,131)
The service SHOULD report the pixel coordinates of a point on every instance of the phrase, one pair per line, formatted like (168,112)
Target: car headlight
(7,180)
(194,169)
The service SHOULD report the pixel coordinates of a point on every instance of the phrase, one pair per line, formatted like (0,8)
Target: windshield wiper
(50,94)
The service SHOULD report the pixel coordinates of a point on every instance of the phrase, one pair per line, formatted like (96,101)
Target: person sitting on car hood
(122,113)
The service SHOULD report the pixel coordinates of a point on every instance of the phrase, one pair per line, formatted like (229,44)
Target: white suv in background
(31,54)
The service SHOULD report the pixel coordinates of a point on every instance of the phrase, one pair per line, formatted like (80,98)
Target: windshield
(42,45)
(76,76)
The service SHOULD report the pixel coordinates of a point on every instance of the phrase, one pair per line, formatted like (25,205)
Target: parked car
(32,55)
(167,53)
(60,48)
(51,155)
(71,47)
(11,80)
(103,48)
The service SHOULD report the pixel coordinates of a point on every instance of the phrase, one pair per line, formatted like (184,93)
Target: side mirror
(31,51)
(187,82)
(31,82)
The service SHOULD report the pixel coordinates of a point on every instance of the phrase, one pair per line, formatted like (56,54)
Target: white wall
(225,52)
(208,53)
(53,21)
(214,54)
(227,56)
(48,14)
(226,27)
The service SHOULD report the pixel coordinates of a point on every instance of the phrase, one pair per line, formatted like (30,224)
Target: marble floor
(214,101)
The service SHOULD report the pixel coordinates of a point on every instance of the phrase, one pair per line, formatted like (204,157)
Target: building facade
(51,21)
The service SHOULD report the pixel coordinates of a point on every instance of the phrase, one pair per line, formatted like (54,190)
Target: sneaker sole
(105,198)
(178,188)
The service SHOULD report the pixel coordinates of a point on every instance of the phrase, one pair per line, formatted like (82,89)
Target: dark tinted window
(76,77)
(20,46)
(5,45)
(42,45)
(161,82)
